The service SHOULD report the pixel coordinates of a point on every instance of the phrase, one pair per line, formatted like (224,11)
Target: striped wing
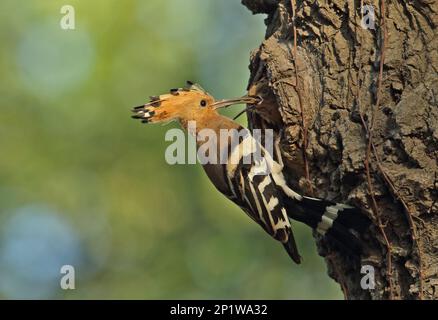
(254,189)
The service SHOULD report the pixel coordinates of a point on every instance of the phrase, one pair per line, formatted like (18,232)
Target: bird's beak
(251,100)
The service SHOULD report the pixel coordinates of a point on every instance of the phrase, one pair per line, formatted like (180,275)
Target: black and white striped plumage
(269,201)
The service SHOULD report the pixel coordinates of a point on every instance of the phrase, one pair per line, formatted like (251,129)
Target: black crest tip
(138,108)
(174,91)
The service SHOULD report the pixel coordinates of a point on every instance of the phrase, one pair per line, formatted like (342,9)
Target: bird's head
(191,103)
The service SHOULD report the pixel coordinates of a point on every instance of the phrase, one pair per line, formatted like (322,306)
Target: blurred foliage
(83,184)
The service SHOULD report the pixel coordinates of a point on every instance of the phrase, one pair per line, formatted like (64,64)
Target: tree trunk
(358,111)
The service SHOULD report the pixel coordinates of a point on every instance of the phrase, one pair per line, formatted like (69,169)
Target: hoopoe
(265,198)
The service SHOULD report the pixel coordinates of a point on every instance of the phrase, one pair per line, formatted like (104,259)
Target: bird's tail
(341,223)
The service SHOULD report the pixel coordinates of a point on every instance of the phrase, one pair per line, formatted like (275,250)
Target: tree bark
(357,109)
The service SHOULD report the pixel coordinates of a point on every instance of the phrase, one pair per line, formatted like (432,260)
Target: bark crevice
(331,86)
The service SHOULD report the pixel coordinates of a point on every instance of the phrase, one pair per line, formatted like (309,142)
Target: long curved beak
(242,100)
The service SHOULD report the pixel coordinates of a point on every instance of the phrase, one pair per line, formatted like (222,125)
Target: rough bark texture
(367,142)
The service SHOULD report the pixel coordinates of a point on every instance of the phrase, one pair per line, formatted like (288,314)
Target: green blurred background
(83,184)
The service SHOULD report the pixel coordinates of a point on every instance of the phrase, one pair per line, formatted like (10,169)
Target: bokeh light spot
(52,60)
(36,242)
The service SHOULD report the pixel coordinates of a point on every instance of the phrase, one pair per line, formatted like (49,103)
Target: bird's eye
(203,103)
